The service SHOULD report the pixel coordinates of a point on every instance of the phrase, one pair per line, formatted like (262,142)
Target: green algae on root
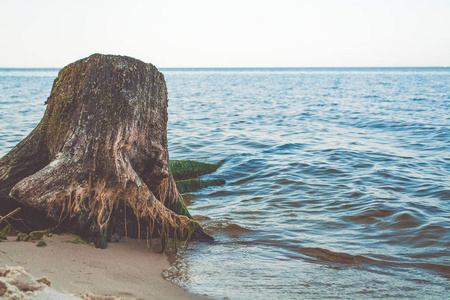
(186,173)
(181,208)
(192,185)
(39,234)
(41,243)
(79,241)
(4,232)
(185,169)
(102,241)
(33,236)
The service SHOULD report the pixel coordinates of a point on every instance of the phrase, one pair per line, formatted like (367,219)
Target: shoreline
(124,270)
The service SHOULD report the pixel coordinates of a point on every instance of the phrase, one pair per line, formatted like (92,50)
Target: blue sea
(337,179)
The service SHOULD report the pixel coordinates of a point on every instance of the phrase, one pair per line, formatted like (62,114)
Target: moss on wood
(186,173)
(186,169)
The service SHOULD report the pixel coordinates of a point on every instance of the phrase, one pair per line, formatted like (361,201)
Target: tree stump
(97,163)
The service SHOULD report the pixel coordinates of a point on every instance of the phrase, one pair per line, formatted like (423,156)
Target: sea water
(337,180)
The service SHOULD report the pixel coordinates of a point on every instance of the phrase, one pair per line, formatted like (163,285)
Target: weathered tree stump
(97,163)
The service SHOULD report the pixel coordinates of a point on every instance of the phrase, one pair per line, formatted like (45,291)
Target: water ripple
(337,180)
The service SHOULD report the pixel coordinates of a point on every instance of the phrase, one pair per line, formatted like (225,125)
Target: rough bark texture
(97,163)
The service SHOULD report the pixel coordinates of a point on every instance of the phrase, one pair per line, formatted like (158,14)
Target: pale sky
(231,33)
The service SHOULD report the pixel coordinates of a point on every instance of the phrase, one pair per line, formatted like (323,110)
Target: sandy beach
(125,270)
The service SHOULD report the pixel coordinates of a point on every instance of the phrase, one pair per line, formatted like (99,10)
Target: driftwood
(9,215)
(97,163)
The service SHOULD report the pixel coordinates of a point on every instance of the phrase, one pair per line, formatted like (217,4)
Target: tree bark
(97,163)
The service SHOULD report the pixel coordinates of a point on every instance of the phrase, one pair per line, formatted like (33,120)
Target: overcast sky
(231,33)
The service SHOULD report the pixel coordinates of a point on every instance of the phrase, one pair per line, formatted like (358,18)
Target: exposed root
(102,201)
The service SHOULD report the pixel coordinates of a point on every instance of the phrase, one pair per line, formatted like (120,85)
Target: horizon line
(248,68)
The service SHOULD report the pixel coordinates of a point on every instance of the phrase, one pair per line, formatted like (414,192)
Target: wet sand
(127,269)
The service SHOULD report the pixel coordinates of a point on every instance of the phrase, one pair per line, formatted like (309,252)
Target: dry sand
(127,269)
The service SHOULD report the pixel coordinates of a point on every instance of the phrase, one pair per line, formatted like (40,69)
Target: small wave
(230,229)
(392,188)
(434,267)
(362,219)
(433,191)
(406,219)
(201,218)
(335,257)
(344,258)
(285,181)
(363,165)
(244,180)
(431,235)
(354,194)
(285,148)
